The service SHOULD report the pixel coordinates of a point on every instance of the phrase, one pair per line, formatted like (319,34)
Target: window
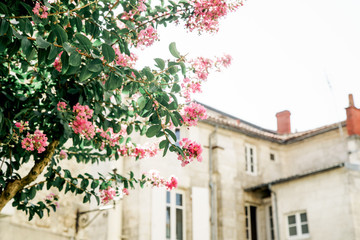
(250,223)
(298,225)
(272,156)
(250,159)
(177,134)
(271,224)
(175,216)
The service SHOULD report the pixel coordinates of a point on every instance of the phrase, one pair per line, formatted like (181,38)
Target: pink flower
(57,62)
(37,141)
(63,154)
(125,60)
(125,191)
(192,150)
(224,61)
(41,11)
(172,183)
(61,106)
(107,195)
(207,13)
(147,37)
(81,125)
(22,125)
(192,113)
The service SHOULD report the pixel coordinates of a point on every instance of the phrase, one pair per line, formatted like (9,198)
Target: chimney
(352,118)
(283,122)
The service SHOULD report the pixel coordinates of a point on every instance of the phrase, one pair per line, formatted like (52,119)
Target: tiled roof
(216,117)
(263,186)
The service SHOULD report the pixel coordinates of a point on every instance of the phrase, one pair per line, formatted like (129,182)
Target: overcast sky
(284,54)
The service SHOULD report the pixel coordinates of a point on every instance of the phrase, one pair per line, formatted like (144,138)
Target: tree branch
(16,186)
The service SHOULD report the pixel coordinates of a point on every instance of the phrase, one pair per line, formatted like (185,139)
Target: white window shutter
(158,214)
(200,213)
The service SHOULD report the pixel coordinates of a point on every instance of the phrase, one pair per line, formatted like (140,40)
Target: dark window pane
(167,197)
(251,151)
(304,229)
(272,156)
(177,134)
(179,199)
(303,217)
(246,212)
(292,231)
(291,219)
(179,224)
(167,222)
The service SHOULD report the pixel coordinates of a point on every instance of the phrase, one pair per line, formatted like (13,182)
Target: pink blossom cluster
(123,59)
(192,113)
(40,10)
(201,67)
(37,141)
(61,106)
(138,152)
(223,61)
(147,37)
(107,195)
(22,125)
(141,7)
(190,86)
(52,198)
(63,155)
(192,151)
(125,191)
(109,137)
(207,13)
(153,177)
(81,124)
(57,62)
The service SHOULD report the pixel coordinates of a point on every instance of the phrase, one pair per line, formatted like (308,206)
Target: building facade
(253,184)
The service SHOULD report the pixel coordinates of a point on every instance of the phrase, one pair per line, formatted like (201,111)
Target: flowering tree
(70,89)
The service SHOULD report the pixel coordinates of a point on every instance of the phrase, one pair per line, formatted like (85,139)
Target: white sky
(282,52)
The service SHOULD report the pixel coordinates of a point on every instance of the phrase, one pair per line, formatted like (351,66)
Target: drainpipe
(274,203)
(212,185)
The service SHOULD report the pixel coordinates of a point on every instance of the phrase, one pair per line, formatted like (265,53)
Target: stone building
(253,184)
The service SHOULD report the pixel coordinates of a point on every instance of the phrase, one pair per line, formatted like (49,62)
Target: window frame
(298,224)
(173,207)
(248,155)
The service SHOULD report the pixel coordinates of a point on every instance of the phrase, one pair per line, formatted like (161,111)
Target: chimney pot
(352,118)
(283,122)
(351,100)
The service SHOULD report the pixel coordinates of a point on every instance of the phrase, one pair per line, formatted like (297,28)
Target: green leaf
(153,130)
(32,193)
(60,33)
(85,74)
(42,43)
(54,51)
(147,72)
(26,46)
(113,82)
(4,26)
(173,50)
(95,65)
(163,143)
(108,52)
(84,42)
(75,59)
(68,48)
(160,63)
(172,134)
(141,102)
(176,88)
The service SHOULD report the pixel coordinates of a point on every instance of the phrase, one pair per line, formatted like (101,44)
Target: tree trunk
(14,187)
